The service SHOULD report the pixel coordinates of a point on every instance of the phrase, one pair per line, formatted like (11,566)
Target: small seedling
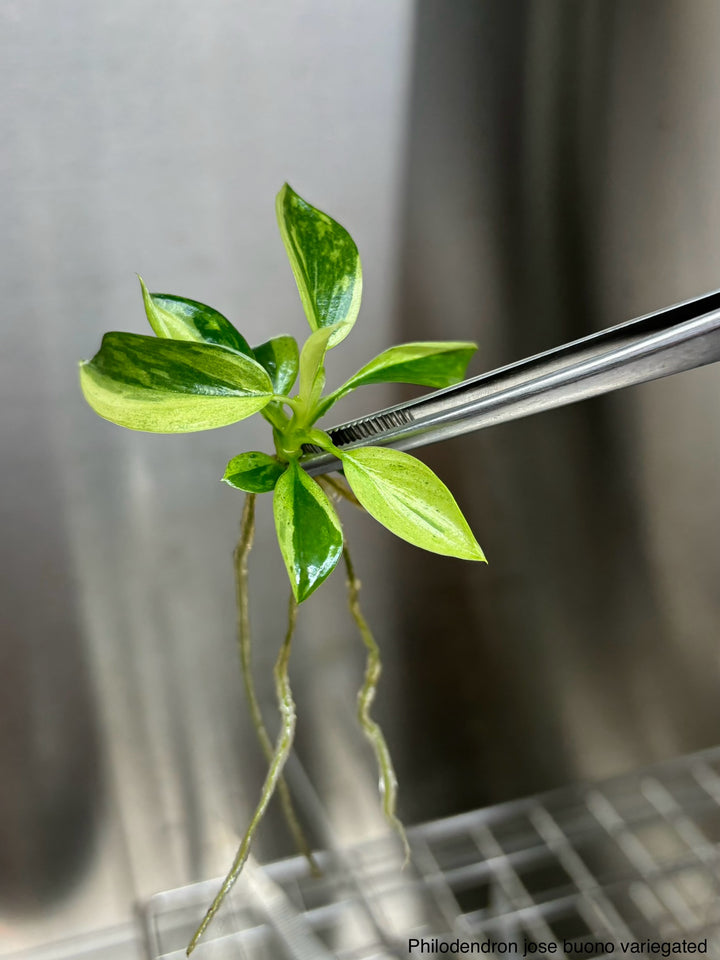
(198,372)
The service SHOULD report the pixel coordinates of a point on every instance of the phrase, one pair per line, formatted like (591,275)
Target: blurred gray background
(519,173)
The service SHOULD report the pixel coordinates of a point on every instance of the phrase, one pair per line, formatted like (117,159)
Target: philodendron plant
(198,372)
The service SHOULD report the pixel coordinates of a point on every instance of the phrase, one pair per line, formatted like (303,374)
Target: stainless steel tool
(671,340)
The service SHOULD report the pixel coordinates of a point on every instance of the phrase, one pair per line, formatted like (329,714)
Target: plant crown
(198,372)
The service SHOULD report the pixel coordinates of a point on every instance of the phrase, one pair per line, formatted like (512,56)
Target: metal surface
(633,859)
(555,173)
(673,340)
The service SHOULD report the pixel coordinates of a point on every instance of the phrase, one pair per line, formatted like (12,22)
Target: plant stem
(242,551)
(366,695)
(282,750)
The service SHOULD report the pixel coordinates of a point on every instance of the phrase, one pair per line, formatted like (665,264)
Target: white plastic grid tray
(632,859)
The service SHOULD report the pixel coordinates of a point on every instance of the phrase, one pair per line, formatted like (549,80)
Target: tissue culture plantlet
(198,372)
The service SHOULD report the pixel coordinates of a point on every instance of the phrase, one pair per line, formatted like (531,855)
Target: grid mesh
(634,859)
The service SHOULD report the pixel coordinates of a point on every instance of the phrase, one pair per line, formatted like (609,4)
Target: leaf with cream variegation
(178,318)
(172,386)
(324,261)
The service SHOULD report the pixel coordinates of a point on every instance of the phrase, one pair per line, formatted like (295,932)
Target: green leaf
(325,262)
(169,386)
(312,363)
(279,357)
(404,495)
(177,318)
(438,364)
(308,531)
(254,472)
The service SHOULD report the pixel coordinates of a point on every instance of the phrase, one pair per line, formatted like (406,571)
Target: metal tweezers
(678,338)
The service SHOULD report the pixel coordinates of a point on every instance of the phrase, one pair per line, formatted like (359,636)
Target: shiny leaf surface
(254,472)
(279,357)
(426,364)
(177,318)
(169,386)
(308,531)
(405,495)
(325,262)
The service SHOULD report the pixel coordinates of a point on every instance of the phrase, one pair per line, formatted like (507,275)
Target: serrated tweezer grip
(669,341)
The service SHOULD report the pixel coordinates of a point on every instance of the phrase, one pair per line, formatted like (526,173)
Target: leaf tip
(474,551)
(284,190)
(150,311)
(227,478)
(303,590)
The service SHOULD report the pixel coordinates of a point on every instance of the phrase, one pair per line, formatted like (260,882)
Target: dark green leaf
(279,357)
(178,318)
(254,472)
(426,364)
(325,262)
(404,495)
(308,531)
(169,386)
